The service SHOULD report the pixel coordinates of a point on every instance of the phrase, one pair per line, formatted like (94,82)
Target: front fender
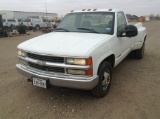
(99,56)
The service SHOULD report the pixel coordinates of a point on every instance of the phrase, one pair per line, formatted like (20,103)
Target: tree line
(154,17)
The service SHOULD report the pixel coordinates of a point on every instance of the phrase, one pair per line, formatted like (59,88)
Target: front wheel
(37,27)
(105,76)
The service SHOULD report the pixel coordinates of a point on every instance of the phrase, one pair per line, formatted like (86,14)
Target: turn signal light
(89,61)
(89,72)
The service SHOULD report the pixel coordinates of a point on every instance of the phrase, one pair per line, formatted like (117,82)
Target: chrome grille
(46,58)
(47,68)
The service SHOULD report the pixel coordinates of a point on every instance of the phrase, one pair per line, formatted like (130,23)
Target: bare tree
(151,16)
(157,17)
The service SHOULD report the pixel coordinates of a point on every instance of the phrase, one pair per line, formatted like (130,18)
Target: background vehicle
(8,30)
(10,22)
(82,51)
(36,23)
(3,30)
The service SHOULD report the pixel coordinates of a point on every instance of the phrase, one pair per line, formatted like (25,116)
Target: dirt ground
(134,94)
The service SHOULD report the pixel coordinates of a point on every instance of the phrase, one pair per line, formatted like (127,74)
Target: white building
(147,18)
(20,14)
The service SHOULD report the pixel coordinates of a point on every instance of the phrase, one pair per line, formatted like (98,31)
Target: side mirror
(131,31)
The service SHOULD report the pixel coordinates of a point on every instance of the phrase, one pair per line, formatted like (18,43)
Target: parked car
(36,23)
(82,51)
(9,22)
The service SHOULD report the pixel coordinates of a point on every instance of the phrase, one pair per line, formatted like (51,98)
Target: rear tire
(105,77)
(139,54)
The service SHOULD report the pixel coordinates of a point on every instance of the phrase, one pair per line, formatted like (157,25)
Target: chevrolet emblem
(41,63)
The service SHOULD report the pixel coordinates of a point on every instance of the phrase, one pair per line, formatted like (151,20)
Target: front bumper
(86,83)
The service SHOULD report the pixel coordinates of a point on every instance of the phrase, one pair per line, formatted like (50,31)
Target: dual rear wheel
(138,54)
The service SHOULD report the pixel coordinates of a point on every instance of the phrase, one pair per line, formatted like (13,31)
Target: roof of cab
(93,10)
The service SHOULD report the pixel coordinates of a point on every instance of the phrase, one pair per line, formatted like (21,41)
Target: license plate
(39,82)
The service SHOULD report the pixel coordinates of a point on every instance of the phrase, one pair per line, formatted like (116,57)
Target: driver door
(123,43)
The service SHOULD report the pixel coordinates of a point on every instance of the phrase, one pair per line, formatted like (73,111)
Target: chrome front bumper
(86,83)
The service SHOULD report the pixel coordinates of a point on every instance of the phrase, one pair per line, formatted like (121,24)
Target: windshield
(92,22)
(11,20)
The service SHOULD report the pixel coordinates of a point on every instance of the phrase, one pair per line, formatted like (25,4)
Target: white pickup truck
(83,50)
(37,23)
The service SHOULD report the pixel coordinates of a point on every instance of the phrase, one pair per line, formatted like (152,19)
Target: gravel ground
(134,94)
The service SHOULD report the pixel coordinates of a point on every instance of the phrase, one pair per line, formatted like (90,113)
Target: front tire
(105,77)
(37,27)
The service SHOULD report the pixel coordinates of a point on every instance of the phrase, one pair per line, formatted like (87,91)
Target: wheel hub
(106,80)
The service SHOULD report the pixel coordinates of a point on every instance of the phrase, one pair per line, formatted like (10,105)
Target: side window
(44,20)
(121,23)
(36,20)
(11,20)
(19,20)
(27,20)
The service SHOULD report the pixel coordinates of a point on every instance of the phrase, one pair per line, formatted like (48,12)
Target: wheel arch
(145,37)
(101,90)
(110,59)
(37,25)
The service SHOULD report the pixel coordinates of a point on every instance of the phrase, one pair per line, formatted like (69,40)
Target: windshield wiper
(62,29)
(92,30)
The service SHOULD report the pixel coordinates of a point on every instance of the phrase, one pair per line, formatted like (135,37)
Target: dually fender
(145,37)
(140,38)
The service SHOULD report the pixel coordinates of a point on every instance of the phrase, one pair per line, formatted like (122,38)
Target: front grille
(46,58)
(47,68)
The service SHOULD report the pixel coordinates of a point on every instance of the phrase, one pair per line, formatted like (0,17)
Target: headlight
(21,53)
(79,61)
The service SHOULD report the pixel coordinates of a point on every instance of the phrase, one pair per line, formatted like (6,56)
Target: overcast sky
(136,7)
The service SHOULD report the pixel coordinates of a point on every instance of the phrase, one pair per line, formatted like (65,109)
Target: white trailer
(147,18)
(21,14)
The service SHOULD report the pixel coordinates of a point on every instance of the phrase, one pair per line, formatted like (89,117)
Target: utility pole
(46,7)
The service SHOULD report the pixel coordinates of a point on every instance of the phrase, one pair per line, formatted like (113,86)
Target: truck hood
(63,43)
